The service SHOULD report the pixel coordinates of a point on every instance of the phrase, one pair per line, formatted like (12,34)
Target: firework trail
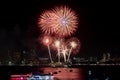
(74,46)
(57,45)
(47,40)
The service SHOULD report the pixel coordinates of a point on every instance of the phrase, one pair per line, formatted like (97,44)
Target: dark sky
(97,30)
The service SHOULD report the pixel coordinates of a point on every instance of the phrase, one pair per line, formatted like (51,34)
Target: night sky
(97,29)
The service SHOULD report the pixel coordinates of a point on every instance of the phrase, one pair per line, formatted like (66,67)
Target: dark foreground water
(72,73)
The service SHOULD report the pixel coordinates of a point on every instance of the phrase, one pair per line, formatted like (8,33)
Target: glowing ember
(47,40)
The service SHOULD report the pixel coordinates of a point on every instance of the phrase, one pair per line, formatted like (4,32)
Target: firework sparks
(45,22)
(64,52)
(73,43)
(66,21)
(61,21)
(57,45)
(47,40)
(74,46)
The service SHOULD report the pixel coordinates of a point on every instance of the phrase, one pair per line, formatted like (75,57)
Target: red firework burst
(45,22)
(47,40)
(73,43)
(61,21)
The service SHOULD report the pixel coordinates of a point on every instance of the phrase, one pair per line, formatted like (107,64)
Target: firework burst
(73,44)
(66,21)
(45,22)
(57,43)
(61,21)
(47,40)
(57,46)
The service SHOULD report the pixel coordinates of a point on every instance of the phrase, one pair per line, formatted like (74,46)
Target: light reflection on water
(84,73)
(65,73)
(79,73)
